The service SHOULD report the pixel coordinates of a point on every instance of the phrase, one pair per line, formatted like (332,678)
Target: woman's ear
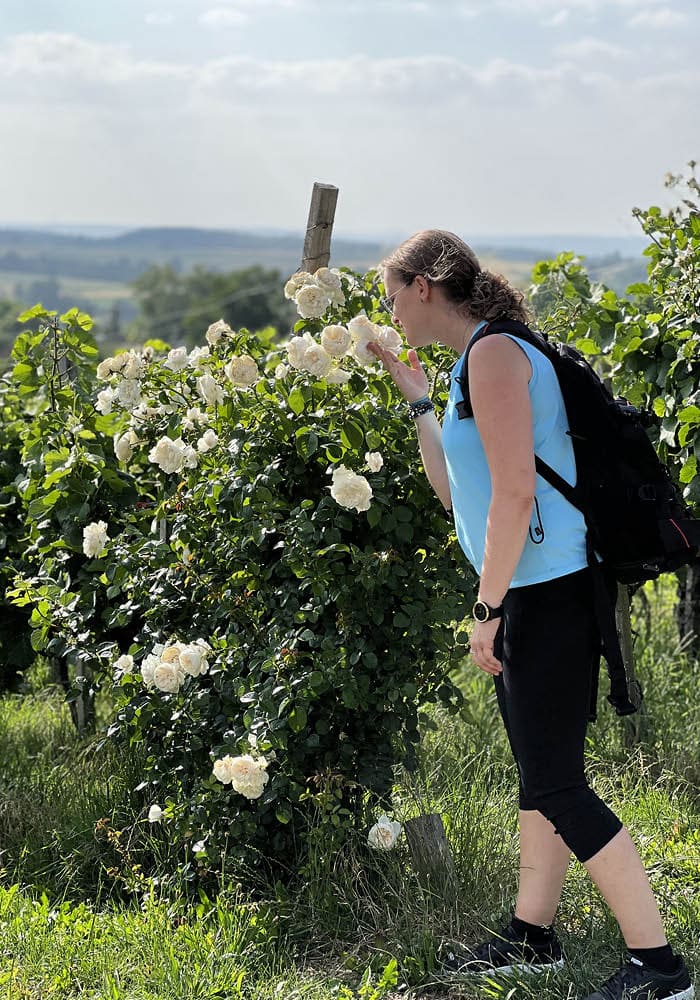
(423,288)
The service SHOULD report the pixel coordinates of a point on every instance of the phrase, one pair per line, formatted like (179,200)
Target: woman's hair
(446,260)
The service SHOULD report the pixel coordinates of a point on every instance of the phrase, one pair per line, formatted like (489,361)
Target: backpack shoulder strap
(464,408)
(512,326)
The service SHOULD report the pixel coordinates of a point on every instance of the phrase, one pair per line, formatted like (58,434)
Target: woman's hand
(481,646)
(412,382)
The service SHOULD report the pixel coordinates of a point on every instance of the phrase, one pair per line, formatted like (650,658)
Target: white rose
(196,354)
(105,398)
(177,359)
(129,393)
(249,775)
(242,370)
(296,349)
(312,301)
(168,454)
(207,441)
(104,369)
(296,282)
(119,361)
(167,677)
(328,279)
(95,538)
(222,770)
(192,660)
(338,376)
(190,458)
(336,340)
(195,416)
(350,490)
(135,366)
(282,370)
(330,283)
(390,339)
(124,665)
(374,460)
(155,814)
(361,328)
(148,667)
(218,330)
(384,834)
(361,352)
(317,361)
(209,389)
(123,447)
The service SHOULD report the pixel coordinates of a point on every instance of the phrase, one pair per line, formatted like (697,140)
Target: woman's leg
(549,639)
(544,859)
(618,873)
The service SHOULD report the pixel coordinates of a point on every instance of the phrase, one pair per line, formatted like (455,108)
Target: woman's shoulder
(501,355)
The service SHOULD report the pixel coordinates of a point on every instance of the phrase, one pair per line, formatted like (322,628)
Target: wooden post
(432,857)
(319,228)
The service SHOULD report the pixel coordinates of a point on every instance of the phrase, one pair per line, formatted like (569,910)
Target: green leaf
(307,442)
(35,312)
(352,436)
(296,401)
(297,719)
(689,470)
(25,374)
(689,415)
(374,515)
(659,407)
(587,346)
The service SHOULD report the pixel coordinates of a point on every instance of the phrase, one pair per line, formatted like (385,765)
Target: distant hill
(124,256)
(93,267)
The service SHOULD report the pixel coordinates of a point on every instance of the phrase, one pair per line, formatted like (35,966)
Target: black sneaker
(506,952)
(637,981)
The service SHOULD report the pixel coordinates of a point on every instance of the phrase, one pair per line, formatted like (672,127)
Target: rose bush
(279,589)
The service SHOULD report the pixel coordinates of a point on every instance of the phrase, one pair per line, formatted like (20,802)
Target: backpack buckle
(647,491)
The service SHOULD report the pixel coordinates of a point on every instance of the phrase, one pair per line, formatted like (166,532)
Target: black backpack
(636,519)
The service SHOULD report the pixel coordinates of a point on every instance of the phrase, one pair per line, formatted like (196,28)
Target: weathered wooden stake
(432,857)
(319,228)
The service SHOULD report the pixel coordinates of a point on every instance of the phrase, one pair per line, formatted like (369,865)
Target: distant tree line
(178,308)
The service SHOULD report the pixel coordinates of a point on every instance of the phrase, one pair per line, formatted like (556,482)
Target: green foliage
(648,341)
(327,626)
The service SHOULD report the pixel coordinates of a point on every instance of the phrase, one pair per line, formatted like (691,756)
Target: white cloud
(224,17)
(664,17)
(591,48)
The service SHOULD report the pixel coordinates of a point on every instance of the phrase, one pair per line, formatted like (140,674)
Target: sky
(497,117)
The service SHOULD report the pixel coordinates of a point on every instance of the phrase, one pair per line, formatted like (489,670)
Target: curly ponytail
(446,260)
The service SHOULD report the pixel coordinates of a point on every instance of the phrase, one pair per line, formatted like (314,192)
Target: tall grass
(351,923)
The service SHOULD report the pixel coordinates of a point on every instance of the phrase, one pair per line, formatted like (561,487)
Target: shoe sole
(527,968)
(687,994)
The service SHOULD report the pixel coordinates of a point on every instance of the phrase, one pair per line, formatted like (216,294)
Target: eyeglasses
(387,301)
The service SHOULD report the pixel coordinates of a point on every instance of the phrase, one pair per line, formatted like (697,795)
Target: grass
(357,925)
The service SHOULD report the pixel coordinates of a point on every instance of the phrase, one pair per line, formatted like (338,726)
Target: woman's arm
(498,386)
(413,383)
(430,444)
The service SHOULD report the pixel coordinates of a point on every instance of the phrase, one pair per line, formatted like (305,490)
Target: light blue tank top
(555,543)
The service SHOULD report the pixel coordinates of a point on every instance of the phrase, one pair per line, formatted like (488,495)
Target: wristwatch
(483,612)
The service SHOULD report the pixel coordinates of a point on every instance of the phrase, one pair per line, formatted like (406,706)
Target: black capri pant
(549,646)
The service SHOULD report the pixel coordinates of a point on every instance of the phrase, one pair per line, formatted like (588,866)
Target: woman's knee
(581,819)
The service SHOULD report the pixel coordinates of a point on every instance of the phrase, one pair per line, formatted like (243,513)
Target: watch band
(483,612)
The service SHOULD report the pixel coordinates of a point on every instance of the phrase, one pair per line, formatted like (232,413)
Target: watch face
(481,611)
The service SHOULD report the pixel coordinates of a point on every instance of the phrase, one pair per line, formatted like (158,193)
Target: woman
(536,631)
